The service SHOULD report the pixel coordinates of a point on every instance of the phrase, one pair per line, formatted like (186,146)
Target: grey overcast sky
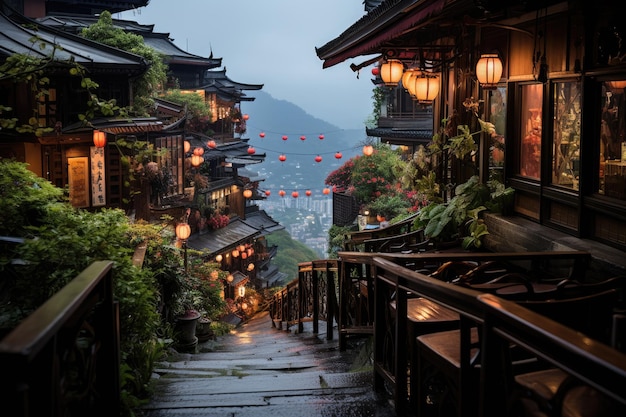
(273,42)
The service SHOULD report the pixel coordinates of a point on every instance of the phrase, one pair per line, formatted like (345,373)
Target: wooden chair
(451,358)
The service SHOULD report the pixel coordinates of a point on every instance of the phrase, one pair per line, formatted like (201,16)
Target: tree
(145,87)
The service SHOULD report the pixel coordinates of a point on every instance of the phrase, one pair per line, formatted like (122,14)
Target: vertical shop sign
(98,182)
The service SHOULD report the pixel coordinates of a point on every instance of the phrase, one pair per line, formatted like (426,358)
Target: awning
(357,41)
(217,240)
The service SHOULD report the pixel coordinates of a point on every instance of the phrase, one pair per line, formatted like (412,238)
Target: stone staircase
(258,370)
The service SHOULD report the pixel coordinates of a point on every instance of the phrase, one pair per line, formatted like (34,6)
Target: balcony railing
(63,359)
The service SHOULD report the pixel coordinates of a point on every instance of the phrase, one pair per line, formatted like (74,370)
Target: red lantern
(308,193)
(211,144)
(262,135)
(368,150)
(99,138)
(285,137)
(326,191)
(198,151)
(282,158)
(281,193)
(295,194)
(251,151)
(338,155)
(302,137)
(246,116)
(318,158)
(375,71)
(267,193)
(321,137)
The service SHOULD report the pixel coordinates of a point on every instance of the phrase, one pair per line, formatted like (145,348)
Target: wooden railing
(63,359)
(311,297)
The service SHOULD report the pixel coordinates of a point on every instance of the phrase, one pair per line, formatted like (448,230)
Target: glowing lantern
(241,248)
(391,72)
(247,193)
(375,71)
(251,151)
(302,137)
(99,138)
(196,160)
(285,137)
(408,78)
(250,267)
(326,191)
(235,253)
(308,193)
(215,274)
(295,194)
(426,88)
(368,150)
(282,158)
(617,85)
(246,116)
(489,71)
(198,151)
(230,278)
(338,155)
(218,258)
(183,231)
(186,146)
(281,193)
(244,255)
(321,137)
(262,135)
(318,158)
(211,144)
(267,193)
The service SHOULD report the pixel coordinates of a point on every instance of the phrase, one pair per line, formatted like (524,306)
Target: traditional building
(556,103)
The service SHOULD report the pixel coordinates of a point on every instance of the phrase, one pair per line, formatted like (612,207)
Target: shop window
(497,116)
(531,119)
(47,108)
(172,160)
(566,135)
(612,146)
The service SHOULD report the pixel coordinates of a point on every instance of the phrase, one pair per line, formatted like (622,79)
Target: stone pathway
(261,371)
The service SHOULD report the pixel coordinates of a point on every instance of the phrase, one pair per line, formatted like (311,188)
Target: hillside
(290,253)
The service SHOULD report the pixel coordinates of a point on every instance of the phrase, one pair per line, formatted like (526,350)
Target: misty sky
(273,43)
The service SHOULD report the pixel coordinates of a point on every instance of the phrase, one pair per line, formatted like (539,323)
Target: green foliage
(476,229)
(337,239)
(373,175)
(152,81)
(290,253)
(389,205)
(198,111)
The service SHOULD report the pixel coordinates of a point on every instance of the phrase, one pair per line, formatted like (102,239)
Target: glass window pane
(612,146)
(497,116)
(530,152)
(566,151)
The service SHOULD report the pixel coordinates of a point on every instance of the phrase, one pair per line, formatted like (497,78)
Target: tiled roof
(235,233)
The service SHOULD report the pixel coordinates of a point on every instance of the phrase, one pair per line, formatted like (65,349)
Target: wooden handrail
(39,357)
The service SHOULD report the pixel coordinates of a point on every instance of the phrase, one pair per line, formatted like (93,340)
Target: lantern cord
(306,154)
(295,133)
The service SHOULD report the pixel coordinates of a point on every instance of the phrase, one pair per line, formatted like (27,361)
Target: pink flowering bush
(217,221)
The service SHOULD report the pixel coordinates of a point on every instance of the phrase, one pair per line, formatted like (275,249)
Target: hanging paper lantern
(338,155)
(198,151)
(308,193)
(285,137)
(426,88)
(321,137)
(375,71)
(251,151)
(246,116)
(186,146)
(196,160)
(295,194)
(247,193)
(326,191)
(281,193)
(303,137)
(368,150)
(244,255)
(235,253)
(282,158)
(99,138)
(218,258)
(489,71)
(318,158)
(391,72)
(211,144)
(262,135)
(267,193)
(183,231)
